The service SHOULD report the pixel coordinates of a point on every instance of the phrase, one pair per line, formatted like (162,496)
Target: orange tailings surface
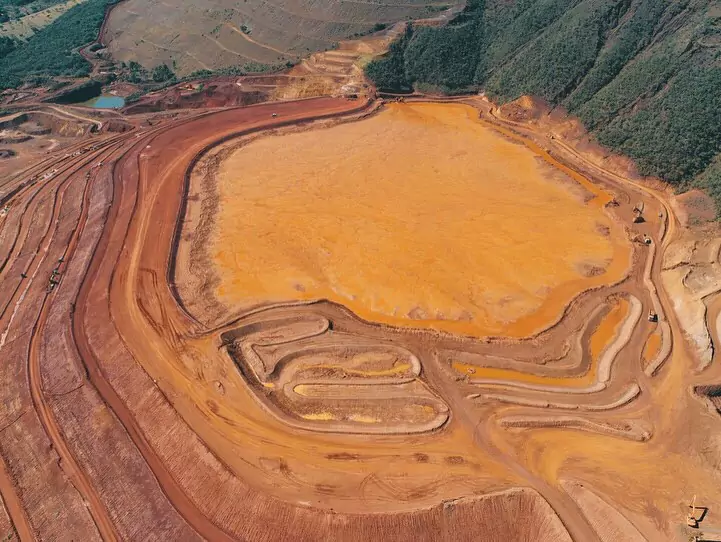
(420,216)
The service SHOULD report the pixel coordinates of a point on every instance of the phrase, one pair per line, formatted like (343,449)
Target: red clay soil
(221,92)
(126,416)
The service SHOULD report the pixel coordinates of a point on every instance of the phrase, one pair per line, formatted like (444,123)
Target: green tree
(388,72)
(7,45)
(162,73)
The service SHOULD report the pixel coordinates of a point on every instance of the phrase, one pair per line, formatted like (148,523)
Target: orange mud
(653,344)
(451,225)
(608,329)
(601,338)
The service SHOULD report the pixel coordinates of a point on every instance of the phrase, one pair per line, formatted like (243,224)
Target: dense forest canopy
(643,75)
(52,51)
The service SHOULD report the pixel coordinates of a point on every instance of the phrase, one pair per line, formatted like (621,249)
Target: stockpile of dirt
(117,126)
(220,93)
(11,137)
(40,123)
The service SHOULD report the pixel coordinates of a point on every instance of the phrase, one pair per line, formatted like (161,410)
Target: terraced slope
(191,35)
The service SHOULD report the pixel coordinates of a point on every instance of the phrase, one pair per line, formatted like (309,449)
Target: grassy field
(219,33)
(28,24)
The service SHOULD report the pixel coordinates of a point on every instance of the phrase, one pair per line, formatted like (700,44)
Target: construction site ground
(345,319)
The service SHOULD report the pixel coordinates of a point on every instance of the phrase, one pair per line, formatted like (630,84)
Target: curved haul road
(90,311)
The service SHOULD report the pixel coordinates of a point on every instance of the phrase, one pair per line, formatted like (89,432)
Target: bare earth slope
(190,35)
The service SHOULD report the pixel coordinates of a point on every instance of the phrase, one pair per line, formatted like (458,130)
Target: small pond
(105,102)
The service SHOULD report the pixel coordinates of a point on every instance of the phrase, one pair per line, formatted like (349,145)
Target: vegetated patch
(33,18)
(710,181)
(343,456)
(80,93)
(52,50)
(697,207)
(642,75)
(455,460)
(7,46)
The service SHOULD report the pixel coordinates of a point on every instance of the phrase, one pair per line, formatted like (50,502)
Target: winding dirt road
(125,415)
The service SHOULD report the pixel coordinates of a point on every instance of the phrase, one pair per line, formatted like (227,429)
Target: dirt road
(127,415)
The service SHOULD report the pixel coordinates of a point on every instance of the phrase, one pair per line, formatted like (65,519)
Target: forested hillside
(53,50)
(643,75)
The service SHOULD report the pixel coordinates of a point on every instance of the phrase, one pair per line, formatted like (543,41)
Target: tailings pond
(421,215)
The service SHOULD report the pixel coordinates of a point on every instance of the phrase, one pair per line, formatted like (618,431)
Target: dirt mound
(695,207)
(218,93)
(608,522)
(40,123)
(520,515)
(117,126)
(711,393)
(524,109)
(11,137)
